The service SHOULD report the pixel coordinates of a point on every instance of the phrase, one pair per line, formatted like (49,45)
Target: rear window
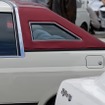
(51,31)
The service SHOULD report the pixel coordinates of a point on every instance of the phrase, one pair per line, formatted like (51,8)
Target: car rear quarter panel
(33,77)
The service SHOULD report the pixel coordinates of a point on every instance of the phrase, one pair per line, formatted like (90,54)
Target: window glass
(7,35)
(103,14)
(46,31)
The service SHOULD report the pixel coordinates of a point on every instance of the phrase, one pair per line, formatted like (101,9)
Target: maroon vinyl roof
(33,12)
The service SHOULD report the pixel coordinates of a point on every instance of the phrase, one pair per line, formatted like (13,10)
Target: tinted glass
(7,35)
(103,14)
(46,31)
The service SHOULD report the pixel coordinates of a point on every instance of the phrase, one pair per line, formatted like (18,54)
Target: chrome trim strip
(18,32)
(21,45)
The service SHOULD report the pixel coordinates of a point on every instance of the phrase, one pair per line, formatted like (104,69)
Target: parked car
(83,19)
(39,49)
(82,91)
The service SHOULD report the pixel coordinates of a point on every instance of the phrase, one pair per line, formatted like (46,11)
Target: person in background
(93,8)
(65,8)
(94,21)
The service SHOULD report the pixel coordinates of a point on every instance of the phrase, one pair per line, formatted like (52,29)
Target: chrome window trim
(79,39)
(18,31)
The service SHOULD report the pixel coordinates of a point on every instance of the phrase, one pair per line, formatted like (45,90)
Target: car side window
(8,44)
(50,31)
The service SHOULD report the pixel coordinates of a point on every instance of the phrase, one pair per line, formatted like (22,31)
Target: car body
(83,19)
(39,49)
(82,91)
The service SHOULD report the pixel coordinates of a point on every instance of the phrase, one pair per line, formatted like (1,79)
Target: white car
(82,91)
(39,49)
(83,19)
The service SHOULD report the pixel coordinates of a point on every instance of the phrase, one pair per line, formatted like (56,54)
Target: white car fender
(85,91)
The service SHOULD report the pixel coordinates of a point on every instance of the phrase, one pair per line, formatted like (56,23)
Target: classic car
(83,18)
(39,49)
(82,91)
